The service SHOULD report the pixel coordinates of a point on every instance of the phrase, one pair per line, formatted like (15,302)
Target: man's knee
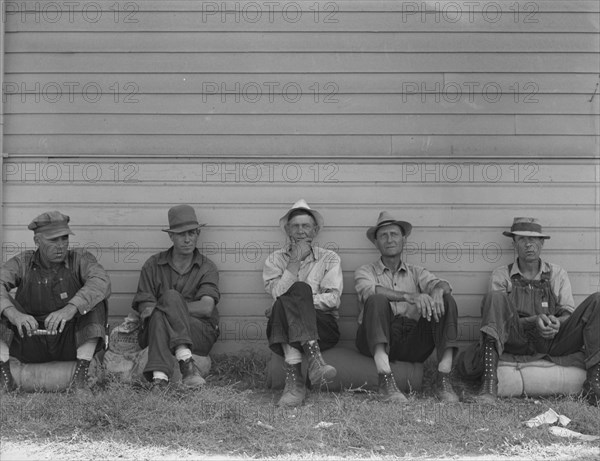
(301,289)
(378,302)
(170,298)
(495,301)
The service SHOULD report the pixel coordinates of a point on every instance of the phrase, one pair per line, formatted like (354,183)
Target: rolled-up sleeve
(208,284)
(428,281)
(96,283)
(562,290)
(500,280)
(331,285)
(365,282)
(146,290)
(10,277)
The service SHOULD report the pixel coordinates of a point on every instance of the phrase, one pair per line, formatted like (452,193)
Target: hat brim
(181,229)
(315,214)
(405,226)
(52,234)
(525,234)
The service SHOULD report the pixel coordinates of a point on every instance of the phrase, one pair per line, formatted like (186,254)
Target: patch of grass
(235,416)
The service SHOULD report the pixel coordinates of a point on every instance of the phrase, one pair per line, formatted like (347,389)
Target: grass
(234,416)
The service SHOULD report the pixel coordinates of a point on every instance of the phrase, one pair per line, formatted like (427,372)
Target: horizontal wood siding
(455,116)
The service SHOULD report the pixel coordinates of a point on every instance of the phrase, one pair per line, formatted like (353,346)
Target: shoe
(318,371)
(158,385)
(7,382)
(79,381)
(190,374)
(592,385)
(444,390)
(388,391)
(489,387)
(294,390)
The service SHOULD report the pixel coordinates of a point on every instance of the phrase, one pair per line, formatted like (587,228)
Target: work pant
(406,339)
(171,326)
(500,320)
(294,320)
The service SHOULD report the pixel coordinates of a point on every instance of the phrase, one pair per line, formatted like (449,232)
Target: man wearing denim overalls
(59,310)
(530,311)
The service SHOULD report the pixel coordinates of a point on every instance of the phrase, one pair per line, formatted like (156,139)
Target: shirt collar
(166,257)
(544,268)
(381,268)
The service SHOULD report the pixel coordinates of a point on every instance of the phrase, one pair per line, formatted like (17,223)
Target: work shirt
(159,275)
(95,280)
(559,282)
(407,278)
(321,269)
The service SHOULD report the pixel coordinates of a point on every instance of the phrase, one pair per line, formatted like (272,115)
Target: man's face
(528,248)
(53,250)
(389,240)
(301,228)
(185,242)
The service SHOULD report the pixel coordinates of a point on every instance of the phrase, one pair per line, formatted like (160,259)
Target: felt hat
(182,218)
(386,219)
(527,227)
(51,224)
(302,205)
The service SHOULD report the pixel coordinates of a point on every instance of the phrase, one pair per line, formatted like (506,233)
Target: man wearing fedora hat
(305,281)
(407,311)
(529,311)
(59,310)
(176,297)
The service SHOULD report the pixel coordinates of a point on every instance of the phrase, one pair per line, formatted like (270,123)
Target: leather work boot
(190,374)
(592,384)
(444,390)
(79,381)
(318,371)
(489,386)
(7,383)
(388,391)
(294,390)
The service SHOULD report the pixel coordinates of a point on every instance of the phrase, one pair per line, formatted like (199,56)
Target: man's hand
(25,323)
(56,321)
(438,303)
(268,311)
(425,305)
(146,313)
(547,326)
(299,251)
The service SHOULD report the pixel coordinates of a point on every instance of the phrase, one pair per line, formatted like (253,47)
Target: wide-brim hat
(385,219)
(51,224)
(527,227)
(302,205)
(182,218)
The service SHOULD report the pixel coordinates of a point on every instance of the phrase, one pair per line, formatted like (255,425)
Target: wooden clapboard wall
(455,116)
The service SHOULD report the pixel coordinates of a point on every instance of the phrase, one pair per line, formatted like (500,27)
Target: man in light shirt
(305,281)
(407,312)
(529,311)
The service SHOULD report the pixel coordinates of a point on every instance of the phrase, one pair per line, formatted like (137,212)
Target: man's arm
(96,283)
(10,277)
(208,295)
(145,299)
(277,277)
(331,286)
(202,308)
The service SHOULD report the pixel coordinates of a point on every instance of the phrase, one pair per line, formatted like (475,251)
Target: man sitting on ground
(305,281)
(176,297)
(59,310)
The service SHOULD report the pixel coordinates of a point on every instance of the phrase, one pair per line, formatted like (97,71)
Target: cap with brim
(385,219)
(51,224)
(182,218)
(302,205)
(526,227)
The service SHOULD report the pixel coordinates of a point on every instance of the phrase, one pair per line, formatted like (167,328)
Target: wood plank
(254,98)
(295,20)
(463,6)
(470,217)
(52,42)
(548,124)
(348,83)
(272,124)
(453,171)
(301,62)
(242,194)
(302,146)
